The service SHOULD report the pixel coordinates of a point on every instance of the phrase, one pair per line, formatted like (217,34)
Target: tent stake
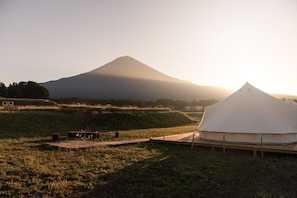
(193,141)
(262,147)
(224,150)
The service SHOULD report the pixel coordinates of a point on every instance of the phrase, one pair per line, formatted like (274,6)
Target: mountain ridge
(128,78)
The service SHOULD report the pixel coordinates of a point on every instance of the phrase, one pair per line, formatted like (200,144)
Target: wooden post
(262,153)
(224,149)
(55,136)
(117,134)
(193,141)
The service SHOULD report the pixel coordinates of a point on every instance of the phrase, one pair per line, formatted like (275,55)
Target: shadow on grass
(179,171)
(45,147)
(41,143)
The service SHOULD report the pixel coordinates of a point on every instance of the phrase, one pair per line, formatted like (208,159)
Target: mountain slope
(127,67)
(127,78)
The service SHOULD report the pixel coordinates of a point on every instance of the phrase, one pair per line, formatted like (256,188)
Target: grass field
(31,168)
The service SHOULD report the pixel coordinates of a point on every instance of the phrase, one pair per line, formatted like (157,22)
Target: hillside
(127,78)
(44,123)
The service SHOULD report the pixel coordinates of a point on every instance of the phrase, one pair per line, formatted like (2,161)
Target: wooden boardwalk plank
(81,144)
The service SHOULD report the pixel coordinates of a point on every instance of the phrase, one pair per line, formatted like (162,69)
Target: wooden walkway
(194,140)
(191,138)
(82,144)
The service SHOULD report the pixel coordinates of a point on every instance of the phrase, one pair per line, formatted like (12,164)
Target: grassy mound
(43,123)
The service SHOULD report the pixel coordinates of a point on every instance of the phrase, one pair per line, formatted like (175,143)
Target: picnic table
(83,134)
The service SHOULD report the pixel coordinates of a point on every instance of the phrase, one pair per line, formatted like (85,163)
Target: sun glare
(263,83)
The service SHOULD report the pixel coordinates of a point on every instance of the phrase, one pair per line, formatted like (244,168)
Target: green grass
(44,123)
(29,168)
(146,133)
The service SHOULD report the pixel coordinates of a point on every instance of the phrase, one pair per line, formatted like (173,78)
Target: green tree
(3,90)
(33,90)
(14,91)
(28,89)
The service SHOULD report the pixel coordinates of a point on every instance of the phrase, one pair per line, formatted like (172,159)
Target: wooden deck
(74,144)
(191,139)
(194,140)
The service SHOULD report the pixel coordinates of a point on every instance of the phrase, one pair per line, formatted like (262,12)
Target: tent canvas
(250,116)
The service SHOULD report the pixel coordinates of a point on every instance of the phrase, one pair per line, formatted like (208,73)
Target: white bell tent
(250,116)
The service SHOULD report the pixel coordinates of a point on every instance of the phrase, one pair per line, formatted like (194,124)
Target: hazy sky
(208,42)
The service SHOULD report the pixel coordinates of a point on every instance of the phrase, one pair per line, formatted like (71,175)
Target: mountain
(127,78)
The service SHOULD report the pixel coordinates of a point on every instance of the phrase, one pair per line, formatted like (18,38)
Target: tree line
(22,89)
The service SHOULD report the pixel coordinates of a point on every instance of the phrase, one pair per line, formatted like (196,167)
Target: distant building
(290,101)
(193,108)
(8,105)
